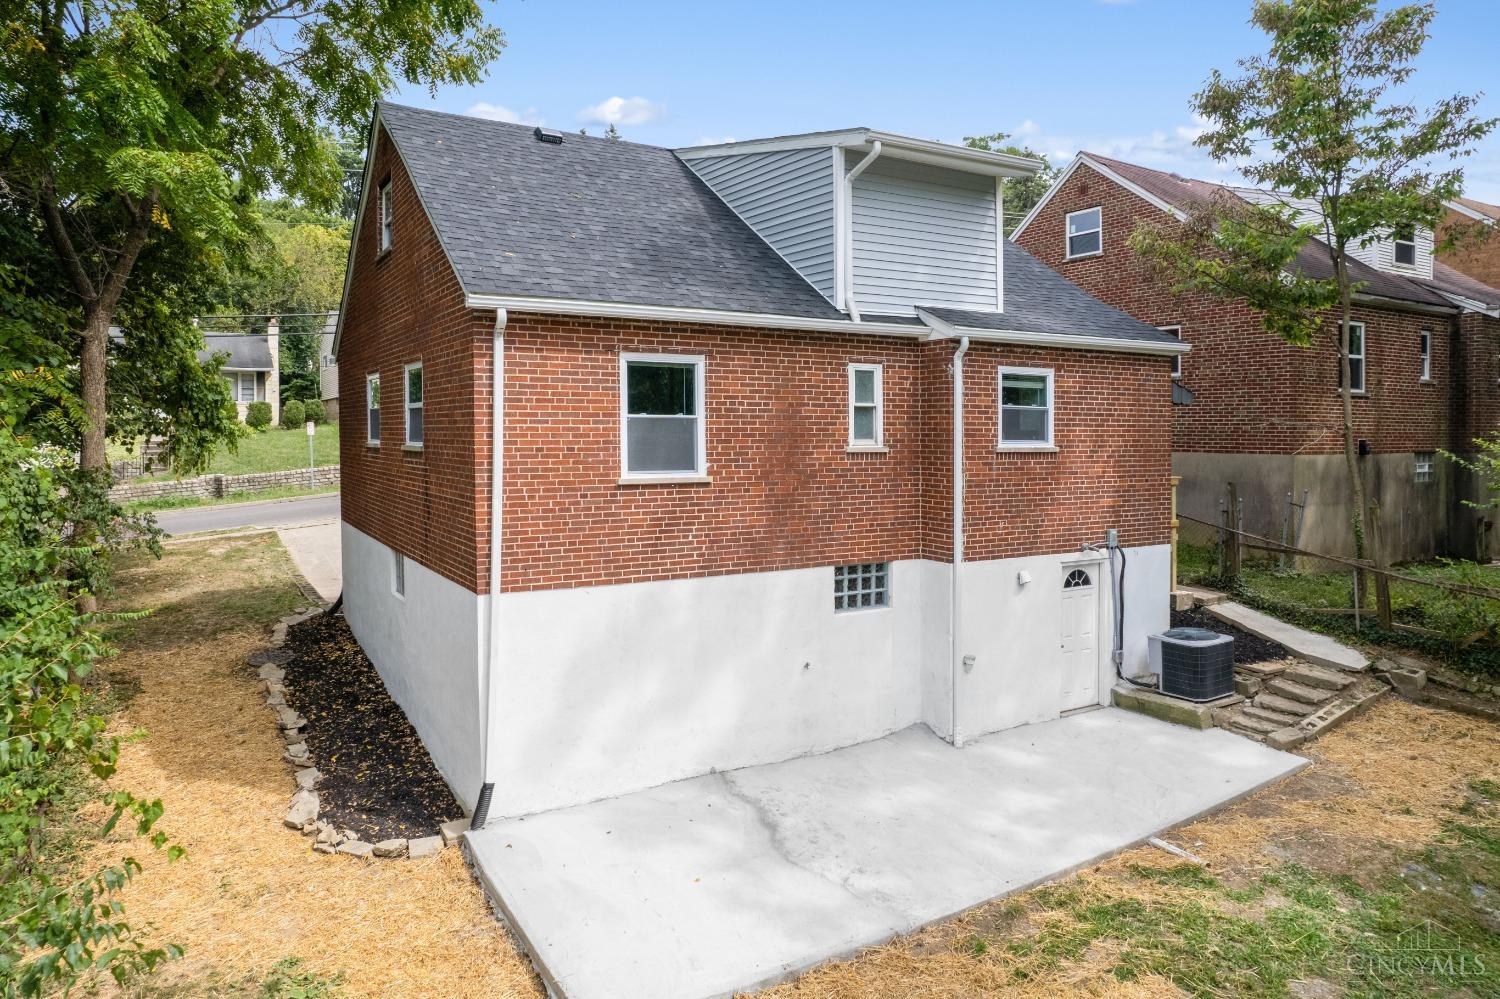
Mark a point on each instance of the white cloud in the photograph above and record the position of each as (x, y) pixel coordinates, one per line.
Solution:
(714, 140)
(499, 112)
(622, 111)
(1168, 149)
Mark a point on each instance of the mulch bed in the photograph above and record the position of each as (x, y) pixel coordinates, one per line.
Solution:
(1248, 648)
(377, 777)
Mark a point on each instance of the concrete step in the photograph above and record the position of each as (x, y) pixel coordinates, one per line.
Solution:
(1284, 705)
(1280, 718)
(1263, 671)
(1298, 691)
(1244, 719)
(1317, 676)
(1329, 716)
(1230, 726)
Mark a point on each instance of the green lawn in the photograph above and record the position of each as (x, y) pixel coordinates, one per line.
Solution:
(272, 450)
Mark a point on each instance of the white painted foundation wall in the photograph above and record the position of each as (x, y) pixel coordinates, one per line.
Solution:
(427, 648)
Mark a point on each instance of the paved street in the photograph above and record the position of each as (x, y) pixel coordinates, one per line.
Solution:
(265, 513)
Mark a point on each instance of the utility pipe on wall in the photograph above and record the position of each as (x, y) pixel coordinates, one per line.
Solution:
(497, 460)
(955, 664)
(849, 179)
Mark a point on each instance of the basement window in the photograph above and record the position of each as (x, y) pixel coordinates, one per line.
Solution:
(398, 574)
(661, 416)
(1025, 407)
(1424, 469)
(1406, 247)
(1085, 233)
(863, 586)
(866, 406)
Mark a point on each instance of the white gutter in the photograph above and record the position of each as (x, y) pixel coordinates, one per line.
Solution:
(492, 641)
(955, 666)
(849, 304)
(1066, 341)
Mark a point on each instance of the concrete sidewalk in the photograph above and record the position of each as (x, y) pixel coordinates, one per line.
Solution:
(737, 880)
(315, 552)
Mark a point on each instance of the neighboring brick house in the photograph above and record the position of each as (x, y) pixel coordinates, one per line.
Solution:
(1475, 257)
(723, 481)
(1267, 415)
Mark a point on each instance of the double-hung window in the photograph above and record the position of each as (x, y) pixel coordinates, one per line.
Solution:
(1176, 358)
(242, 386)
(1424, 356)
(372, 408)
(866, 406)
(661, 416)
(413, 404)
(1356, 358)
(1405, 251)
(1085, 233)
(386, 230)
(1025, 408)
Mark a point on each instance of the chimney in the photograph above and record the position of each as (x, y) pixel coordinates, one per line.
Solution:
(273, 378)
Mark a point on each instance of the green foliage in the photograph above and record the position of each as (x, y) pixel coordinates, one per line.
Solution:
(288, 981)
(1484, 463)
(313, 408)
(258, 415)
(293, 415)
(1020, 194)
(59, 926)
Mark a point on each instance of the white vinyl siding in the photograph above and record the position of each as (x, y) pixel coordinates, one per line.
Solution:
(787, 197)
(923, 236)
(1381, 254)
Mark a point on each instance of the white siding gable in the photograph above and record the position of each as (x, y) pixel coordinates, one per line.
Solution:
(1381, 254)
(787, 197)
(923, 235)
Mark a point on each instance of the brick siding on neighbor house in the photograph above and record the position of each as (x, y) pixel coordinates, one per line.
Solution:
(1478, 259)
(219, 486)
(1254, 393)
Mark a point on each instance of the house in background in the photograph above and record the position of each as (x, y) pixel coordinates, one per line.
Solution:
(666, 462)
(1267, 415)
(1477, 259)
(252, 367)
(328, 368)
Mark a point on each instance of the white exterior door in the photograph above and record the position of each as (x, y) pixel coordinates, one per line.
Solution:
(1080, 639)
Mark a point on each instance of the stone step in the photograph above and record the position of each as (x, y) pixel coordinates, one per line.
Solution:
(1317, 676)
(1230, 726)
(1284, 705)
(1244, 719)
(1262, 670)
(1298, 691)
(1281, 718)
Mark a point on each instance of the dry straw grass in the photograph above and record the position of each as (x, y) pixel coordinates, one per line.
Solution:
(251, 893)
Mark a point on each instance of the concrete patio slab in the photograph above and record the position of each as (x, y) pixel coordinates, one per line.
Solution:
(1304, 644)
(737, 880)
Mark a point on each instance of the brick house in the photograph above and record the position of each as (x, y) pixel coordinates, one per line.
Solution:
(714, 525)
(1477, 259)
(1266, 415)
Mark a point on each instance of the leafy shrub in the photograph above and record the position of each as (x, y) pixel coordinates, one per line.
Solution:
(258, 415)
(315, 411)
(293, 415)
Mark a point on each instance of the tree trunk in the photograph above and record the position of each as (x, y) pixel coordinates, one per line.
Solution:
(92, 373)
(1346, 395)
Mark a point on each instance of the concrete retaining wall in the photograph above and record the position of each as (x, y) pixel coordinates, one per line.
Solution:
(219, 486)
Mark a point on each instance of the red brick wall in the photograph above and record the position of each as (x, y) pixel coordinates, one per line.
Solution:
(404, 307)
(785, 493)
(1479, 260)
(1253, 393)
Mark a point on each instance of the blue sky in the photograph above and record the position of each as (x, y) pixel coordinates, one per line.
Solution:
(1112, 77)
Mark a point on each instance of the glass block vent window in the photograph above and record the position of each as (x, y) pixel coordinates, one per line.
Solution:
(856, 587)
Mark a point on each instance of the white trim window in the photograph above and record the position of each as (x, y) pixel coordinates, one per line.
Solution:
(866, 406)
(372, 408)
(1085, 233)
(1356, 359)
(241, 385)
(1025, 407)
(398, 573)
(412, 404)
(1424, 354)
(387, 230)
(1176, 358)
(1404, 247)
(1424, 469)
(662, 433)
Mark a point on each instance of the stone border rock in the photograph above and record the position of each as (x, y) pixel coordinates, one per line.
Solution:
(302, 810)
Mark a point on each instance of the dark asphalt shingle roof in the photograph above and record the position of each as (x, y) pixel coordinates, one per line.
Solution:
(248, 351)
(1040, 300)
(1454, 282)
(590, 219)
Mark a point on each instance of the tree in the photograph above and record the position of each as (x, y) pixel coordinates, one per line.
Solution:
(1020, 193)
(132, 123)
(1314, 121)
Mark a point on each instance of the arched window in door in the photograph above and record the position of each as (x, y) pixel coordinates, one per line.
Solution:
(1077, 578)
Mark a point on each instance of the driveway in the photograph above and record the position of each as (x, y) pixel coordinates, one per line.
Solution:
(308, 527)
(740, 879)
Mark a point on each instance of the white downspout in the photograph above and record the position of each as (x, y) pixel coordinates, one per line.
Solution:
(849, 178)
(955, 620)
(492, 641)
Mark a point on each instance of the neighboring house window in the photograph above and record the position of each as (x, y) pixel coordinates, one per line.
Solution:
(1025, 407)
(661, 415)
(1356, 357)
(856, 587)
(866, 406)
(242, 386)
(385, 216)
(398, 574)
(1426, 460)
(1425, 341)
(1406, 248)
(413, 404)
(1085, 233)
(372, 408)
(1176, 358)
